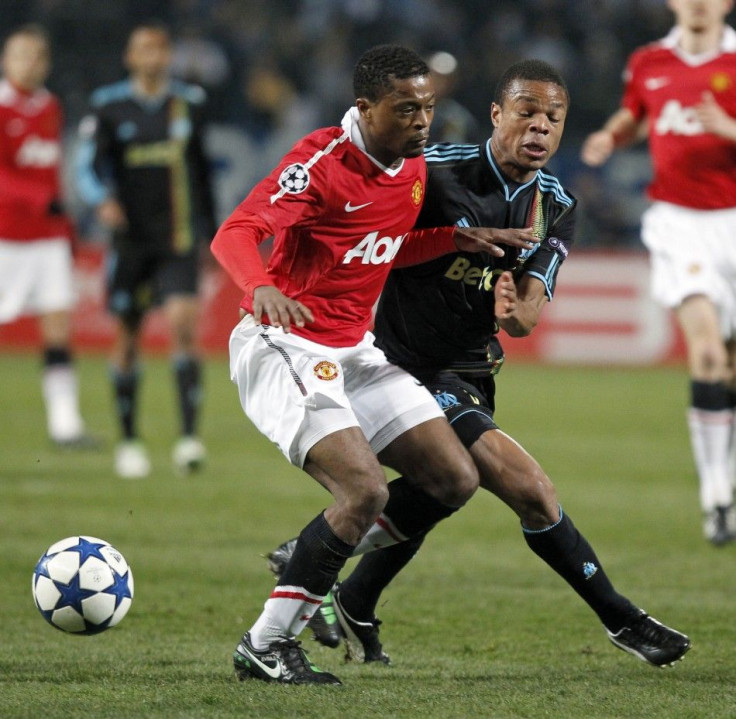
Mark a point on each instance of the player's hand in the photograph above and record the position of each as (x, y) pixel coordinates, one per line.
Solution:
(504, 293)
(714, 118)
(487, 239)
(281, 310)
(597, 148)
(111, 215)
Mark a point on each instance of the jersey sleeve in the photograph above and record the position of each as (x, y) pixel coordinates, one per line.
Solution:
(202, 169)
(425, 244)
(632, 97)
(91, 166)
(291, 196)
(545, 262)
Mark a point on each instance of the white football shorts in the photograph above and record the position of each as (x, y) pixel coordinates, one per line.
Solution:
(296, 391)
(35, 278)
(693, 252)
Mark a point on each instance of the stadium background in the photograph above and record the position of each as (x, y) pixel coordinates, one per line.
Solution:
(274, 70)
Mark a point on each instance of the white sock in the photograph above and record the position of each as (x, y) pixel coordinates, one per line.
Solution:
(710, 435)
(382, 533)
(60, 393)
(285, 614)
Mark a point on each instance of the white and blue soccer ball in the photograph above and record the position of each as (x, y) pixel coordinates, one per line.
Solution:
(82, 585)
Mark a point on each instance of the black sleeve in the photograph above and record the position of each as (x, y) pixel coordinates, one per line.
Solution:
(553, 250)
(202, 172)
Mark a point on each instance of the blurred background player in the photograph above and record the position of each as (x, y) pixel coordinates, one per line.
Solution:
(453, 122)
(142, 165)
(35, 233)
(682, 89)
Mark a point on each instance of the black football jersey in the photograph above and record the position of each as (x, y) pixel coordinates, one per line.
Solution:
(440, 314)
(151, 152)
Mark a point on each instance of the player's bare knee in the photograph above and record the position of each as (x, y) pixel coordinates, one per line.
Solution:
(538, 506)
(456, 485)
(366, 501)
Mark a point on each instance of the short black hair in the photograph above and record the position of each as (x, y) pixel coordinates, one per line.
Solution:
(378, 68)
(535, 70)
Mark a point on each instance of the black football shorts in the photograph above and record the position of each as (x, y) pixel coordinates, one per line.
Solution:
(137, 281)
(468, 402)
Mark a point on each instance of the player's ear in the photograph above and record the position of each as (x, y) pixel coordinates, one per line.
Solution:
(495, 114)
(365, 107)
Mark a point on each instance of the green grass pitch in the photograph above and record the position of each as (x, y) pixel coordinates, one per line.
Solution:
(477, 626)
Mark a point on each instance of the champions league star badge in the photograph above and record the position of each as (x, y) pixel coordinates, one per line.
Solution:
(294, 179)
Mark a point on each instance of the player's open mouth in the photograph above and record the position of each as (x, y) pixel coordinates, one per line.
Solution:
(534, 150)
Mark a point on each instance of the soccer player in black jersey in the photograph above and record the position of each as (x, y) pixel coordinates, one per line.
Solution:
(142, 165)
(439, 320)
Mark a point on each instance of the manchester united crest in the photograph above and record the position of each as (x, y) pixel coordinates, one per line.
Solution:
(325, 370)
(417, 193)
(720, 82)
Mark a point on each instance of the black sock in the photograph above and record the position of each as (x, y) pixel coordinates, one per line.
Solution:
(710, 396)
(189, 388)
(360, 592)
(56, 356)
(570, 555)
(318, 557)
(125, 388)
(411, 510)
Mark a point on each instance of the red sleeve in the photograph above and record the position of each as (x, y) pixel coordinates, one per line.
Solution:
(425, 244)
(272, 207)
(236, 248)
(632, 98)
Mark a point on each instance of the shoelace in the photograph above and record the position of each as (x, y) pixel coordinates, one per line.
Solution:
(650, 631)
(294, 657)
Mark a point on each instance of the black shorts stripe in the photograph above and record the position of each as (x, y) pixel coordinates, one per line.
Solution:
(285, 356)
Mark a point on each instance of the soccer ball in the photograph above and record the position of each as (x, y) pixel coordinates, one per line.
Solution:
(82, 585)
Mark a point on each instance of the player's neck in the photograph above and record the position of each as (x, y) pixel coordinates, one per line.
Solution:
(149, 86)
(697, 43)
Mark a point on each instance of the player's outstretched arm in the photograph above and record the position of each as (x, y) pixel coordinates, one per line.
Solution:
(488, 239)
(621, 129)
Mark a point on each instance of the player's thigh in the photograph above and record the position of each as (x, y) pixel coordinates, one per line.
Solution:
(344, 464)
(35, 278)
(507, 470)
(128, 275)
(291, 389)
(431, 456)
(387, 400)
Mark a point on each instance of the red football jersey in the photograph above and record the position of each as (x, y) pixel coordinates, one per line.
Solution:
(338, 219)
(30, 159)
(692, 168)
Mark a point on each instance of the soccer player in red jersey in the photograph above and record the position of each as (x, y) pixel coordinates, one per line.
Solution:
(340, 207)
(682, 89)
(35, 233)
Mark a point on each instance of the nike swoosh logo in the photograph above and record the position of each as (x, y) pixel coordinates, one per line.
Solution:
(654, 83)
(273, 672)
(353, 208)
